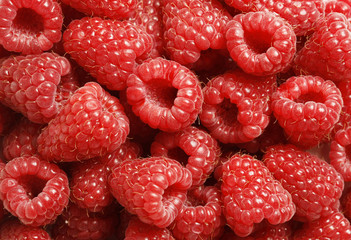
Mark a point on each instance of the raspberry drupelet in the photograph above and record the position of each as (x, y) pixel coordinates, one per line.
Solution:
(271, 54)
(34, 191)
(307, 108)
(193, 147)
(153, 188)
(92, 123)
(251, 194)
(108, 49)
(164, 94)
(315, 186)
(236, 106)
(36, 85)
(30, 26)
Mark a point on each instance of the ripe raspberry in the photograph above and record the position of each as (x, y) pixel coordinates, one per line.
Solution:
(89, 187)
(121, 9)
(30, 27)
(14, 230)
(138, 230)
(193, 26)
(236, 106)
(307, 108)
(339, 154)
(341, 6)
(271, 54)
(35, 191)
(315, 186)
(22, 140)
(250, 194)
(33, 85)
(164, 94)
(149, 16)
(79, 224)
(302, 15)
(334, 226)
(195, 148)
(91, 124)
(201, 216)
(153, 188)
(327, 52)
(109, 50)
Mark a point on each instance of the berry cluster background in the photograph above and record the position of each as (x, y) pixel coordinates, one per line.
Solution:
(175, 119)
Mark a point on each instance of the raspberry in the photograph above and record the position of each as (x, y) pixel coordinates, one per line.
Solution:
(327, 52)
(33, 85)
(149, 15)
(79, 224)
(30, 26)
(91, 124)
(121, 9)
(164, 94)
(272, 54)
(35, 191)
(108, 49)
(250, 194)
(236, 106)
(339, 154)
(201, 216)
(194, 147)
(152, 188)
(193, 26)
(334, 226)
(341, 6)
(89, 188)
(22, 140)
(138, 230)
(307, 108)
(14, 230)
(302, 15)
(315, 186)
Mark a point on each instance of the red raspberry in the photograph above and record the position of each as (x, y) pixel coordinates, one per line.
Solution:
(35, 191)
(274, 50)
(302, 15)
(89, 187)
(307, 108)
(14, 230)
(164, 94)
(149, 15)
(327, 53)
(36, 85)
(339, 154)
(195, 148)
(201, 216)
(250, 194)
(315, 186)
(109, 50)
(193, 26)
(334, 226)
(138, 230)
(30, 27)
(91, 124)
(341, 6)
(121, 9)
(22, 140)
(236, 106)
(153, 188)
(79, 224)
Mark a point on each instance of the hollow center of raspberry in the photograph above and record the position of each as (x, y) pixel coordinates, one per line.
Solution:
(258, 42)
(193, 201)
(28, 20)
(311, 96)
(179, 155)
(161, 93)
(228, 112)
(32, 185)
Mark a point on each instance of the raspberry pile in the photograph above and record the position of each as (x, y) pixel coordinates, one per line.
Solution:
(175, 119)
